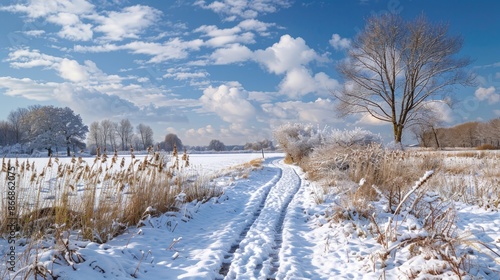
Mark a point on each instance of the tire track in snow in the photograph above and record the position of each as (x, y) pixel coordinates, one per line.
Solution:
(278, 238)
(257, 254)
(230, 254)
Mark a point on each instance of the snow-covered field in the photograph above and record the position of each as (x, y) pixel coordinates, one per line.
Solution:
(267, 225)
(207, 162)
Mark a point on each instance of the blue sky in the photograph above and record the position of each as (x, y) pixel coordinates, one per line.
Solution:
(227, 69)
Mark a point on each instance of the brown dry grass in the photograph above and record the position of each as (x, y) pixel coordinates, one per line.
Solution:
(470, 176)
(100, 198)
(392, 172)
(486, 147)
(242, 170)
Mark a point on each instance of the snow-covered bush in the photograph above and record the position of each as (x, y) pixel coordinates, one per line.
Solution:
(343, 150)
(298, 140)
(355, 137)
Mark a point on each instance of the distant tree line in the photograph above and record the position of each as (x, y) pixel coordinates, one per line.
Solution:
(259, 145)
(469, 134)
(119, 136)
(218, 146)
(55, 129)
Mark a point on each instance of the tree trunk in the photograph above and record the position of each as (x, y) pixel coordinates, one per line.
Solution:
(436, 138)
(398, 132)
(68, 143)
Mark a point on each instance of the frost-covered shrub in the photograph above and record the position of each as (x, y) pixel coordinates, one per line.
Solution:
(298, 140)
(355, 137)
(341, 150)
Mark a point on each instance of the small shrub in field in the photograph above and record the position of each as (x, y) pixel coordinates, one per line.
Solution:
(348, 138)
(298, 140)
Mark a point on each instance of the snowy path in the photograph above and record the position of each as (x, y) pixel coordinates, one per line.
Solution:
(251, 232)
(257, 254)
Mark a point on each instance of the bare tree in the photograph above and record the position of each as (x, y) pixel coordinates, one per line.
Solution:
(95, 134)
(464, 135)
(18, 119)
(7, 133)
(145, 134)
(125, 132)
(489, 132)
(425, 126)
(395, 68)
(483, 133)
(108, 133)
(136, 142)
(495, 131)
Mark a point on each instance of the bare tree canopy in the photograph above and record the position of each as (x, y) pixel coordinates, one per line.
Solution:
(17, 119)
(108, 131)
(396, 69)
(145, 135)
(125, 131)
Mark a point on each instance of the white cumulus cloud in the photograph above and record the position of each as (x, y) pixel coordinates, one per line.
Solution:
(172, 49)
(65, 13)
(71, 70)
(367, 119)
(72, 27)
(299, 82)
(339, 43)
(255, 25)
(287, 54)
(228, 102)
(488, 94)
(43, 8)
(28, 88)
(319, 111)
(232, 54)
(127, 23)
(220, 37)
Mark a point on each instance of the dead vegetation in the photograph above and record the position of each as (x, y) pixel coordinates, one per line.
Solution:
(379, 189)
(102, 198)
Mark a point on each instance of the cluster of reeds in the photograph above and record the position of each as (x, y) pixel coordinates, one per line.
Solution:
(101, 197)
